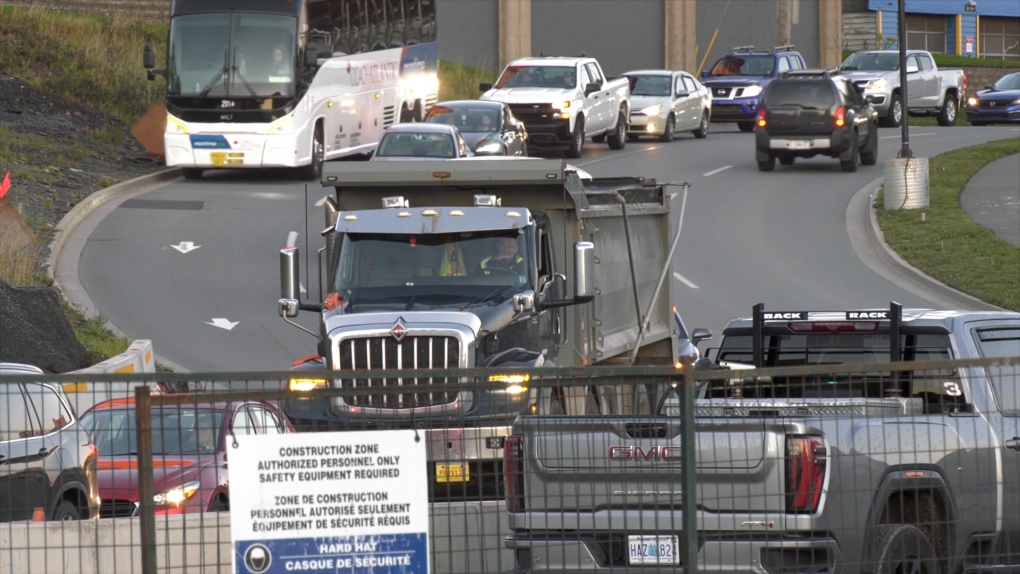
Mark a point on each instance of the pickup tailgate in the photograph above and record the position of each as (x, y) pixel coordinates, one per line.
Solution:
(591, 464)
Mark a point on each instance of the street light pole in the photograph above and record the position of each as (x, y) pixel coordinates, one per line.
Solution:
(904, 123)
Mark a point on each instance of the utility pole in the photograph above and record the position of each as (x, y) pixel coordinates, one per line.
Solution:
(902, 42)
(785, 22)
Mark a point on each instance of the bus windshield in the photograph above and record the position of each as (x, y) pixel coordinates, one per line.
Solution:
(432, 269)
(232, 55)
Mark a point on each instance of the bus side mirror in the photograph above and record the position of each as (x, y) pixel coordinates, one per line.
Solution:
(148, 58)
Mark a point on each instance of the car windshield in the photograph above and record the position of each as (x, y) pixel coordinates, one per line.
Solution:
(872, 61)
(175, 431)
(562, 77)
(396, 144)
(416, 271)
(650, 85)
(228, 55)
(743, 65)
(800, 94)
(467, 120)
(1008, 82)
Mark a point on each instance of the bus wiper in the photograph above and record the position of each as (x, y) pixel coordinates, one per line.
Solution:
(219, 75)
(233, 68)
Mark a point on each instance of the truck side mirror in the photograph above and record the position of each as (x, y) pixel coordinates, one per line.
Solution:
(311, 56)
(484, 87)
(911, 69)
(288, 304)
(584, 271)
(700, 334)
(591, 88)
(148, 58)
(332, 213)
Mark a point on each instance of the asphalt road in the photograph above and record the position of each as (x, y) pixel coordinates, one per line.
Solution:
(778, 238)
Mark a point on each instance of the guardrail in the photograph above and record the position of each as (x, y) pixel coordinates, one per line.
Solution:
(589, 492)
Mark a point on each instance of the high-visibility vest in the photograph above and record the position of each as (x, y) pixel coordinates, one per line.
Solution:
(453, 262)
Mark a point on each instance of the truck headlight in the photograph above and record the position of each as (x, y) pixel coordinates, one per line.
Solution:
(176, 496)
(876, 85)
(972, 102)
(488, 147)
(652, 110)
(516, 384)
(305, 384)
(751, 91)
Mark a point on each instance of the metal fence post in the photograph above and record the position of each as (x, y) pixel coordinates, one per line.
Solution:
(146, 509)
(688, 470)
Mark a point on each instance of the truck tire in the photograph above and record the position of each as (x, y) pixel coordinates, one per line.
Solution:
(192, 172)
(618, 139)
(900, 548)
(869, 155)
(767, 165)
(850, 165)
(894, 117)
(947, 115)
(577, 142)
(746, 126)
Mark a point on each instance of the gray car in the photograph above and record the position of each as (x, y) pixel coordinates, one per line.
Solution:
(489, 128)
(47, 460)
(415, 141)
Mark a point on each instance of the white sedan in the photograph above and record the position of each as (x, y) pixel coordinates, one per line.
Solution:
(664, 102)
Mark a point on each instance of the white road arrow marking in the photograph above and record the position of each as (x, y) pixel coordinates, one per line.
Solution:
(185, 246)
(223, 323)
(321, 202)
(685, 280)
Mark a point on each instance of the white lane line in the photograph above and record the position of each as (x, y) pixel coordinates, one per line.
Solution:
(614, 155)
(715, 171)
(685, 280)
(898, 136)
(321, 202)
(292, 239)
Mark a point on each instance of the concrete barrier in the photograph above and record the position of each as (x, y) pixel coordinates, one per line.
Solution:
(138, 358)
(464, 538)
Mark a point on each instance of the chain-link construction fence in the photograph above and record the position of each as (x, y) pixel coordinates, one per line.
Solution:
(892, 467)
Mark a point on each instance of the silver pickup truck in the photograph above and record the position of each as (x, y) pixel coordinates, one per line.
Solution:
(563, 101)
(845, 473)
(931, 91)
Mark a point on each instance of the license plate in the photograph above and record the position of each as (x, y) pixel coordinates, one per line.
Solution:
(796, 144)
(218, 157)
(652, 550)
(452, 473)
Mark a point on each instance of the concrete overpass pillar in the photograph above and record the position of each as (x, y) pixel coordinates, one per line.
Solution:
(830, 33)
(681, 35)
(514, 30)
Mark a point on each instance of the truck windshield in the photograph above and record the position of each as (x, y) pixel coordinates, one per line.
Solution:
(432, 269)
(232, 55)
(743, 65)
(562, 77)
(872, 61)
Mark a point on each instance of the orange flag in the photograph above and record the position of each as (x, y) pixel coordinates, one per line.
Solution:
(5, 185)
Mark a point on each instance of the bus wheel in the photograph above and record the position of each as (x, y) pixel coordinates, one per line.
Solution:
(313, 171)
(192, 172)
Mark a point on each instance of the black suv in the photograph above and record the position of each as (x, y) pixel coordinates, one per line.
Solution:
(805, 113)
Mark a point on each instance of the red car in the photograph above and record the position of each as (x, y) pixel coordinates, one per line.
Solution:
(189, 452)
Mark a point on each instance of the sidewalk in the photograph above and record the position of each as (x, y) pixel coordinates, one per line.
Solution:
(992, 198)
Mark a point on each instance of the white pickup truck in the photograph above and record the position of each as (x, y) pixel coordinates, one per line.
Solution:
(563, 101)
(931, 91)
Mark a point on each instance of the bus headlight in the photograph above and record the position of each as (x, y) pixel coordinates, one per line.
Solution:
(175, 126)
(304, 384)
(282, 125)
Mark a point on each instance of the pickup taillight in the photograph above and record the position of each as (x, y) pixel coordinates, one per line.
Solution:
(760, 120)
(805, 473)
(513, 473)
(840, 117)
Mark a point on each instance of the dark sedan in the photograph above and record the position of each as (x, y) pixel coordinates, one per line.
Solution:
(489, 128)
(997, 104)
(189, 444)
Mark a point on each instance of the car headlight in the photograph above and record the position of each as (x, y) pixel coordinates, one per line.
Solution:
(972, 102)
(1014, 102)
(488, 147)
(176, 496)
(652, 110)
(875, 85)
(751, 91)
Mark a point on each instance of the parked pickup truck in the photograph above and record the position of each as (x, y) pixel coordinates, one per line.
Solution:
(562, 101)
(737, 80)
(868, 472)
(931, 91)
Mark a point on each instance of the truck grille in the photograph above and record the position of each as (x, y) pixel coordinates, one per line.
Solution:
(533, 112)
(368, 353)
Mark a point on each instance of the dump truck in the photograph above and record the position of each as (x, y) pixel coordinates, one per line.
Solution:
(412, 279)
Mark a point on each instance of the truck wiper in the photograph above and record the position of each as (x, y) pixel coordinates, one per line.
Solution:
(485, 298)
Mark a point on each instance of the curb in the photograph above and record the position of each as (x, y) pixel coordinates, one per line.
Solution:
(70, 222)
(887, 256)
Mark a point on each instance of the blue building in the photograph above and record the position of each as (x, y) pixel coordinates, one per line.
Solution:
(975, 28)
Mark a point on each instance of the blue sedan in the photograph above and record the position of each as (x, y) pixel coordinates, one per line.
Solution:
(998, 104)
